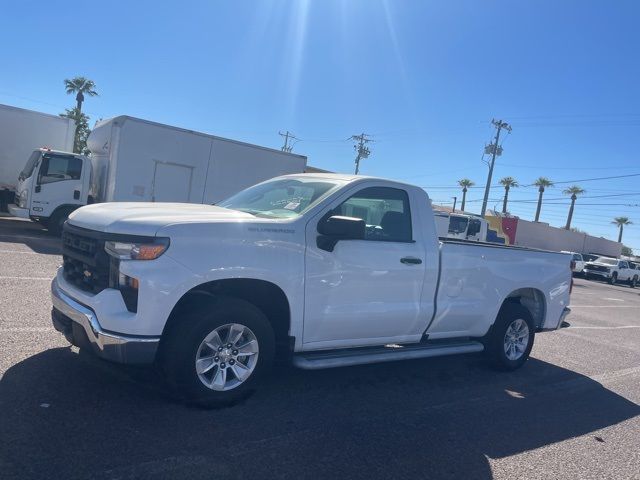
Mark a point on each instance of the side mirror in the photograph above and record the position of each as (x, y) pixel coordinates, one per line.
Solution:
(336, 228)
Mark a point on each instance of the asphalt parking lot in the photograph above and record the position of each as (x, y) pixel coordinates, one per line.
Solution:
(572, 411)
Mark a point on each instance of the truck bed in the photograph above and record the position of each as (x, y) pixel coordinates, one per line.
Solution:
(475, 278)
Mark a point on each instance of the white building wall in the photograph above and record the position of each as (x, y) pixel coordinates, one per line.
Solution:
(542, 235)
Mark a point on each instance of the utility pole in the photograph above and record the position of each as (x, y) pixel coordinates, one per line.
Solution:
(361, 148)
(495, 150)
(287, 135)
(455, 200)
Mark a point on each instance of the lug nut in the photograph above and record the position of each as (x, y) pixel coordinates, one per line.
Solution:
(219, 349)
(216, 359)
(231, 362)
(228, 345)
(235, 352)
(223, 365)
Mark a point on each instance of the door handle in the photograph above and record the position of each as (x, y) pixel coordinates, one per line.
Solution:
(38, 188)
(76, 194)
(411, 261)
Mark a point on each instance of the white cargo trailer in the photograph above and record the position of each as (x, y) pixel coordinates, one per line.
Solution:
(21, 131)
(138, 160)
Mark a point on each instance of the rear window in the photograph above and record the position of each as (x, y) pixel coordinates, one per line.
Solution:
(458, 224)
(577, 257)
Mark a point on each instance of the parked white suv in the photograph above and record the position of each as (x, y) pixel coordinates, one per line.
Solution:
(612, 270)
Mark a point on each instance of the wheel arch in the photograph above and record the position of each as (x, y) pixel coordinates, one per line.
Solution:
(67, 207)
(264, 295)
(533, 300)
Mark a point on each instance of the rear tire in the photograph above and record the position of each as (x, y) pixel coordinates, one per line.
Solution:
(633, 282)
(511, 338)
(194, 341)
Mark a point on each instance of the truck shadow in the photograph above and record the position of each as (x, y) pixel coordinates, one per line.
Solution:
(438, 418)
(30, 234)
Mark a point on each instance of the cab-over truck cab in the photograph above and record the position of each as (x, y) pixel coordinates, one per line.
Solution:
(51, 186)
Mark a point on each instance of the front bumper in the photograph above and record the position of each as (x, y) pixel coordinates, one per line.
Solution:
(599, 273)
(16, 211)
(80, 326)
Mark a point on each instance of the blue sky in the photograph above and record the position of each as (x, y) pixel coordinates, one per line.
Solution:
(423, 77)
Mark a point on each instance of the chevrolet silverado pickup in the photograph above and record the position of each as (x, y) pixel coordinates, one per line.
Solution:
(612, 270)
(325, 270)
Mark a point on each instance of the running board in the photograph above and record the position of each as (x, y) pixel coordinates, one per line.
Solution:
(388, 353)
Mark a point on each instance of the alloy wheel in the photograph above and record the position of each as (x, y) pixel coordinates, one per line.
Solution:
(227, 357)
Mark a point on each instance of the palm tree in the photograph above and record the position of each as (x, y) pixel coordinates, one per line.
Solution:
(574, 191)
(465, 183)
(79, 86)
(621, 222)
(507, 183)
(541, 183)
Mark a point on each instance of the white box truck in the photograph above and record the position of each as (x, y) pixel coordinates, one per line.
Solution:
(138, 160)
(20, 132)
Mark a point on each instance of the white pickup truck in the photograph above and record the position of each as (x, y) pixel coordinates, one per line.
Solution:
(612, 270)
(328, 270)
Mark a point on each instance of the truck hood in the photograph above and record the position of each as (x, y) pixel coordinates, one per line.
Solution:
(600, 264)
(146, 218)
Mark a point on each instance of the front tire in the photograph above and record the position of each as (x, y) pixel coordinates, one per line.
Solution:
(613, 279)
(55, 223)
(215, 356)
(511, 338)
(633, 282)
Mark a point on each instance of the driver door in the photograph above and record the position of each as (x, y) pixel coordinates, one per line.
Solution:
(365, 292)
(58, 182)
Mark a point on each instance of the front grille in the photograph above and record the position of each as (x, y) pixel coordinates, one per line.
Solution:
(86, 264)
(597, 268)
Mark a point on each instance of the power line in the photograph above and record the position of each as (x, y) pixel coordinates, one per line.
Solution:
(617, 167)
(591, 179)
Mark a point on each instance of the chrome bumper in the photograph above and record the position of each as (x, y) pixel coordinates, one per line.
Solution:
(81, 327)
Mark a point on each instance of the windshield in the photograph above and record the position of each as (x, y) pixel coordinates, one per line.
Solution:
(458, 224)
(282, 198)
(31, 164)
(608, 261)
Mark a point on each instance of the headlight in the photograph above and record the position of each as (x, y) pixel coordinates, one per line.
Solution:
(22, 199)
(137, 251)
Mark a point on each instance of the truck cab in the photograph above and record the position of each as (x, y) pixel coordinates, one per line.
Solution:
(51, 186)
(461, 226)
